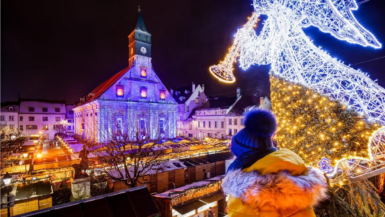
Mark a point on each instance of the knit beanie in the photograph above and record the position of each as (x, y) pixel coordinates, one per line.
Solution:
(260, 126)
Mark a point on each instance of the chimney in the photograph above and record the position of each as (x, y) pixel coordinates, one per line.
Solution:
(172, 92)
(260, 101)
(238, 92)
(203, 87)
(193, 87)
(82, 99)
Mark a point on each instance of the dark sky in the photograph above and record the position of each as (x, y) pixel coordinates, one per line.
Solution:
(62, 49)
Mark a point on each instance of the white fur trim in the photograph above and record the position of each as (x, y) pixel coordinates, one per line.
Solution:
(282, 192)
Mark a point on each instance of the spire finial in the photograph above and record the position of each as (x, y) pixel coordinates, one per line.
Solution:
(139, 7)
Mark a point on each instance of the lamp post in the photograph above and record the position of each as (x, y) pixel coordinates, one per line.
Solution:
(7, 180)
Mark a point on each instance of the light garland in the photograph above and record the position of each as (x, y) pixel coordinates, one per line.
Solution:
(296, 60)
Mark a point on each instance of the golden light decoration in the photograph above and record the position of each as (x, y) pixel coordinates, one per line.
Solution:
(316, 127)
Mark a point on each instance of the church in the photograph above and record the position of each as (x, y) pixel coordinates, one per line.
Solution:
(132, 101)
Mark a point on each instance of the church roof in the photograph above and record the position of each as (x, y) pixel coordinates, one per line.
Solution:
(140, 22)
(103, 87)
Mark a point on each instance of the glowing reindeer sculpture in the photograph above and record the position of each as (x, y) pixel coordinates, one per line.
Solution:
(297, 61)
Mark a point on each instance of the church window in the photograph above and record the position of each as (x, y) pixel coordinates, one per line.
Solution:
(143, 72)
(143, 92)
(161, 126)
(162, 94)
(119, 91)
(142, 126)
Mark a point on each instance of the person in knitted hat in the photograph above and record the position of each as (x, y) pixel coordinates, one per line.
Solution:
(264, 181)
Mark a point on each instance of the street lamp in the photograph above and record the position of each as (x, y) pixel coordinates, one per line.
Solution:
(7, 180)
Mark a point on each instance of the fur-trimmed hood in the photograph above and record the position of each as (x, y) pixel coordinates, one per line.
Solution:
(281, 192)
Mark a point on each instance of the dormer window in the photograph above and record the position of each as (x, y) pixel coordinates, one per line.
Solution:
(57, 109)
(31, 109)
(162, 95)
(143, 72)
(177, 93)
(143, 92)
(10, 109)
(44, 109)
(119, 91)
(186, 91)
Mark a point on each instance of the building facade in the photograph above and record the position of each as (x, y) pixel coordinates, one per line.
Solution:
(70, 122)
(9, 118)
(132, 101)
(189, 99)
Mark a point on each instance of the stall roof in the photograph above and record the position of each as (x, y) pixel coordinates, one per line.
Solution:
(189, 207)
(133, 202)
(214, 197)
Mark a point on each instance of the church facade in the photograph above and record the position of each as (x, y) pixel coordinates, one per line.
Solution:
(132, 101)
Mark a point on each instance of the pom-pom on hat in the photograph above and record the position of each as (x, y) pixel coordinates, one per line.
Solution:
(260, 125)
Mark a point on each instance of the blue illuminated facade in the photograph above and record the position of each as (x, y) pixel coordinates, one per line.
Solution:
(133, 100)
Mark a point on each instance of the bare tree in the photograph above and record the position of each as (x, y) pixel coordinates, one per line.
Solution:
(128, 160)
(11, 141)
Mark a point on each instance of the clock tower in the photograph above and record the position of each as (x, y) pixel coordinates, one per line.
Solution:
(139, 41)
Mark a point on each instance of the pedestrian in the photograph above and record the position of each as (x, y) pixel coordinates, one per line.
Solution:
(210, 213)
(266, 182)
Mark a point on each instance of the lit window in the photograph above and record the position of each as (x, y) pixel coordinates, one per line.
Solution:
(143, 72)
(143, 92)
(162, 94)
(119, 91)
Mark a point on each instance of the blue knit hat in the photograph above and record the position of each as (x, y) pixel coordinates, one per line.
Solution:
(260, 126)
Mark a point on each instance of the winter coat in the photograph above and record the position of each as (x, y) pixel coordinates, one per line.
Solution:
(278, 185)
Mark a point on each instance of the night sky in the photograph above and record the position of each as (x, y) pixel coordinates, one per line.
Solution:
(62, 49)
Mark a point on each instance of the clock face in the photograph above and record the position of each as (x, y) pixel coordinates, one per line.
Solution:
(143, 50)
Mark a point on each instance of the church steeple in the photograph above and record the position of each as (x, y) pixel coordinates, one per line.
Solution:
(139, 21)
(139, 41)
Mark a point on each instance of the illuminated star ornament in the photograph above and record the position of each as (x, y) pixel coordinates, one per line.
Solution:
(329, 113)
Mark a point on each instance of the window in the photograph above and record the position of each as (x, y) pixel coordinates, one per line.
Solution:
(119, 91)
(199, 124)
(21, 118)
(31, 109)
(71, 112)
(119, 126)
(31, 127)
(143, 92)
(215, 124)
(45, 118)
(196, 101)
(161, 126)
(209, 124)
(69, 128)
(10, 109)
(31, 118)
(235, 122)
(230, 121)
(57, 126)
(57, 118)
(11, 126)
(190, 135)
(143, 72)
(45, 127)
(69, 121)
(57, 109)
(44, 109)
(2, 118)
(10, 118)
(21, 127)
(222, 124)
(162, 95)
(230, 134)
(187, 108)
(142, 126)
(190, 127)
(235, 131)
(204, 123)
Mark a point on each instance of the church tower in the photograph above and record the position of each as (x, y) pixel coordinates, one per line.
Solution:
(139, 41)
